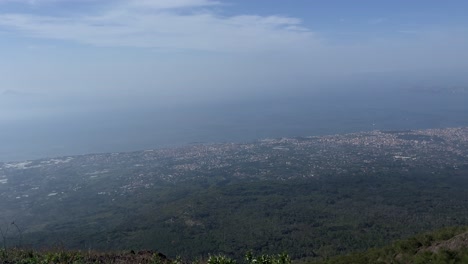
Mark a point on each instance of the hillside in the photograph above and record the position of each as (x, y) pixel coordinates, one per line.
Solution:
(14, 256)
(449, 245)
(314, 197)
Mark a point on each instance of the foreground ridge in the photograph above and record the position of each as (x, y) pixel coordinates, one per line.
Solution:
(14, 256)
(449, 245)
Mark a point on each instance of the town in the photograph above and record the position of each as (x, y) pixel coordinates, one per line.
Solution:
(350, 185)
(276, 159)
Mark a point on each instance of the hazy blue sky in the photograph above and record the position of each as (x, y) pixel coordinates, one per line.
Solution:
(61, 56)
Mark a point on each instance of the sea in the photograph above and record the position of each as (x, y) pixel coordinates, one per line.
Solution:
(244, 120)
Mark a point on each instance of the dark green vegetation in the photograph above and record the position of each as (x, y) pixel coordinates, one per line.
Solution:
(449, 245)
(311, 197)
(18, 256)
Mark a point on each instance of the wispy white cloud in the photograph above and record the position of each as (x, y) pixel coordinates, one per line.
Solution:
(411, 32)
(376, 21)
(159, 4)
(172, 4)
(159, 24)
(247, 53)
(40, 2)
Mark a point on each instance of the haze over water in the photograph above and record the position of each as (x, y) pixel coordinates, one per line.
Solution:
(80, 76)
(147, 127)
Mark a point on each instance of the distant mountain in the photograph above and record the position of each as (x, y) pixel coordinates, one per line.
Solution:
(442, 89)
(10, 92)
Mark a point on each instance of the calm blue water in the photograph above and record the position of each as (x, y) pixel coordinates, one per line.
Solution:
(304, 114)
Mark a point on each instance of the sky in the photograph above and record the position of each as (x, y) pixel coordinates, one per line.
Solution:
(64, 58)
(67, 54)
